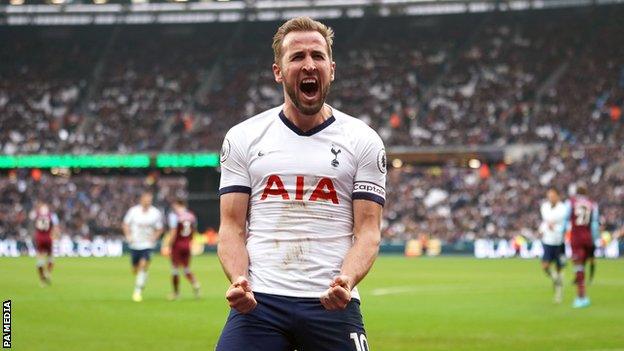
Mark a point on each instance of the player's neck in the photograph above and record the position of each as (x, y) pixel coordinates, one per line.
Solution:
(306, 122)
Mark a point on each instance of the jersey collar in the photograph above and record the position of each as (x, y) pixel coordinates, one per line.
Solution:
(310, 132)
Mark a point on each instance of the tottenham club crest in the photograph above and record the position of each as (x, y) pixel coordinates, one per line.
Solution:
(381, 161)
(335, 151)
(225, 150)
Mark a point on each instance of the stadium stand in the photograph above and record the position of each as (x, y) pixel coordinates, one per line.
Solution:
(553, 77)
(458, 203)
(87, 205)
(469, 80)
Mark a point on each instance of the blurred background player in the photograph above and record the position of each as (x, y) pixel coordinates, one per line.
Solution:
(591, 259)
(182, 224)
(553, 213)
(142, 226)
(46, 230)
(582, 216)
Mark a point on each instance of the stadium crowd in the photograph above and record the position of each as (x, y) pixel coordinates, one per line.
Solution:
(469, 80)
(433, 81)
(500, 201)
(87, 205)
(448, 202)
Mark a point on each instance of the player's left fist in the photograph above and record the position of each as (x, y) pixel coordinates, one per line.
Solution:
(338, 296)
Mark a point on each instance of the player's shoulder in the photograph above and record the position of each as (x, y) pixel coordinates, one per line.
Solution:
(254, 124)
(356, 128)
(344, 119)
(131, 213)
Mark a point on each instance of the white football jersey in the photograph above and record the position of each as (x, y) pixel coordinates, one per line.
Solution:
(142, 225)
(553, 218)
(301, 187)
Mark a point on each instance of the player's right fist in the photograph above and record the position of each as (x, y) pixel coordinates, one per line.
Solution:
(240, 297)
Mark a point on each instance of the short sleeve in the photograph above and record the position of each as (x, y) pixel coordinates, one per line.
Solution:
(234, 169)
(159, 219)
(128, 217)
(55, 219)
(561, 214)
(370, 176)
(172, 220)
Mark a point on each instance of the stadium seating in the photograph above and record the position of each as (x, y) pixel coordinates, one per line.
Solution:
(87, 205)
(456, 203)
(554, 77)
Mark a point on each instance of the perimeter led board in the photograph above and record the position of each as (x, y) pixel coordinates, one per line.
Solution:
(76, 161)
(187, 160)
(169, 160)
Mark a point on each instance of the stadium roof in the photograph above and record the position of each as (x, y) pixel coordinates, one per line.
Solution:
(181, 11)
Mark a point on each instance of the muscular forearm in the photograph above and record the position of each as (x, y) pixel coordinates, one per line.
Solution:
(233, 252)
(360, 257)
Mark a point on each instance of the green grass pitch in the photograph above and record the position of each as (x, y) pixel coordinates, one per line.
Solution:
(445, 303)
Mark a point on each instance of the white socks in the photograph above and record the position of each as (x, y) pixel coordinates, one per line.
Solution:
(139, 283)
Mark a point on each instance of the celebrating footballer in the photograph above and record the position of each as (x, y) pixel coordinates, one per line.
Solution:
(302, 190)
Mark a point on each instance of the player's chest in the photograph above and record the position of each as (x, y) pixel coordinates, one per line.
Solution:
(308, 157)
(144, 220)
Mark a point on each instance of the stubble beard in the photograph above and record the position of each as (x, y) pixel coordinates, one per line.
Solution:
(308, 110)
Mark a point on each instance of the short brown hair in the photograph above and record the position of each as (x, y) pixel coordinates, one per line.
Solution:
(180, 201)
(581, 189)
(553, 189)
(301, 24)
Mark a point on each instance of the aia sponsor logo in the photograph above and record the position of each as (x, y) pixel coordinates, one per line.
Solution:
(323, 191)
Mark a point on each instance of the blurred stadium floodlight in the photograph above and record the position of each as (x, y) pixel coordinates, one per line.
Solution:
(16, 2)
(143, 12)
(474, 163)
(397, 163)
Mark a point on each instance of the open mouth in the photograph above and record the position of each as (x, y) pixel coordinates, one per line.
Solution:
(309, 86)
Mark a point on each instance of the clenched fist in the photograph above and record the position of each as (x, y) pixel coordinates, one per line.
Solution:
(338, 295)
(240, 297)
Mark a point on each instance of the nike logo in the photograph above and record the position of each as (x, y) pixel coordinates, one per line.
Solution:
(260, 154)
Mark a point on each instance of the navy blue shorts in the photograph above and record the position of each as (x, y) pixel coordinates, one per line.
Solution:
(137, 255)
(554, 253)
(280, 323)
